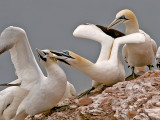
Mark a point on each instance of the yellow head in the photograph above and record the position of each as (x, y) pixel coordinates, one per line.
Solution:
(123, 17)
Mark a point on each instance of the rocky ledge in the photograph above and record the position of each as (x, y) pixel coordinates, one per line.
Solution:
(137, 99)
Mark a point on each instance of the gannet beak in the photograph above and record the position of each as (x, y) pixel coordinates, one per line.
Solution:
(115, 23)
(40, 53)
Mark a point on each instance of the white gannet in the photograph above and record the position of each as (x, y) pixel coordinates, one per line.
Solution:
(47, 91)
(137, 55)
(158, 58)
(15, 40)
(102, 71)
(98, 33)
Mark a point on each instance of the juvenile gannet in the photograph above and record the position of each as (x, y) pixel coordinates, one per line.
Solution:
(102, 71)
(137, 55)
(158, 58)
(15, 40)
(47, 91)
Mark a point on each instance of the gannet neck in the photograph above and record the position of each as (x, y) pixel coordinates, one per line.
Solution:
(54, 71)
(132, 26)
(105, 51)
(114, 53)
(22, 56)
(131, 23)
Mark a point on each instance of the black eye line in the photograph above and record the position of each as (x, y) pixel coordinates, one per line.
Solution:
(44, 59)
(123, 17)
(44, 52)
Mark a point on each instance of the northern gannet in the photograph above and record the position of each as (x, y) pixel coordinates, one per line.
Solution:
(15, 40)
(137, 55)
(100, 34)
(46, 92)
(158, 58)
(102, 71)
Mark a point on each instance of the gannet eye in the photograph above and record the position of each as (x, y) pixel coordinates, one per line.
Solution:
(123, 17)
(45, 53)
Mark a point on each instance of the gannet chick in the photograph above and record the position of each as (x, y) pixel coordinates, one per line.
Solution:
(47, 91)
(137, 55)
(158, 58)
(15, 40)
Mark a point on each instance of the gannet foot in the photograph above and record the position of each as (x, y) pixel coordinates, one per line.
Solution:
(60, 108)
(131, 77)
(85, 93)
(8, 84)
(32, 118)
(150, 67)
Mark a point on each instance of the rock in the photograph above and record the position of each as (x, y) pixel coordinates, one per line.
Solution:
(85, 101)
(153, 113)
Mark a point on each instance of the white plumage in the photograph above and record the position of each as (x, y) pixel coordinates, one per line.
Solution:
(29, 74)
(137, 55)
(15, 40)
(47, 91)
(158, 58)
(108, 69)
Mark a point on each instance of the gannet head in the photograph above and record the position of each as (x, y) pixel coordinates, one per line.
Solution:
(123, 17)
(46, 57)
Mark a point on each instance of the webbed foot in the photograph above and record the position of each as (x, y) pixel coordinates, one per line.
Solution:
(60, 108)
(85, 93)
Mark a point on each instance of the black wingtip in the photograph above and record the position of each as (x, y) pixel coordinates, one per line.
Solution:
(111, 32)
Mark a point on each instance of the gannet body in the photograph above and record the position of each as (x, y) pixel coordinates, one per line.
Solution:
(158, 58)
(98, 33)
(15, 40)
(46, 92)
(108, 69)
(138, 55)
(69, 92)
(10, 99)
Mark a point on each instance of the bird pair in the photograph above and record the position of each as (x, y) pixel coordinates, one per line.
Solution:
(37, 93)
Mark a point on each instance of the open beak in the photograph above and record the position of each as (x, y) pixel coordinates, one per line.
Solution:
(40, 53)
(115, 23)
